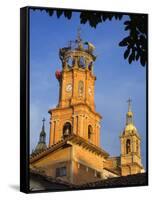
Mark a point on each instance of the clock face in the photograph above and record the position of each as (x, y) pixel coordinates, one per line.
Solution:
(69, 87)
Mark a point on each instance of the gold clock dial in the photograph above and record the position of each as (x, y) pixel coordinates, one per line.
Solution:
(69, 87)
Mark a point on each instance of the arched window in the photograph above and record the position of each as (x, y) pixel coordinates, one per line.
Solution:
(70, 62)
(82, 62)
(90, 132)
(67, 129)
(80, 88)
(128, 146)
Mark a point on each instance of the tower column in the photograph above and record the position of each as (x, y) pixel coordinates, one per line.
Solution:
(56, 131)
(74, 83)
(74, 120)
(81, 125)
(62, 86)
(86, 89)
(98, 134)
(51, 132)
(85, 126)
(139, 147)
(134, 144)
(123, 150)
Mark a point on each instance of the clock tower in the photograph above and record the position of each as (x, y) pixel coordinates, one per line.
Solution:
(75, 112)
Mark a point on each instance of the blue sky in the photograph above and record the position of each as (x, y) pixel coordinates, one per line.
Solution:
(116, 79)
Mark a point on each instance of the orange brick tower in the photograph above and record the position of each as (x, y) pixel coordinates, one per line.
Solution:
(74, 154)
(75, 112)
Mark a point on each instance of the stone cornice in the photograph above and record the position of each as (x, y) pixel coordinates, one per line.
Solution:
(75, 139)
(72, 106)
(112, 171)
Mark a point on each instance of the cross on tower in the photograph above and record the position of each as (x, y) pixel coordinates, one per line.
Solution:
(129, 104)
(43, 120)
(79, 40)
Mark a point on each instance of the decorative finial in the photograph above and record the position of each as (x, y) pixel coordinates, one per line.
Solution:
(129, 104)
(79, 40)
(70, 44)
(78, 34)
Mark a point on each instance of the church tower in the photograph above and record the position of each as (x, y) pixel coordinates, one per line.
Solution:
(74, 154)
(130, 147)
(75, 112)
(41, 146)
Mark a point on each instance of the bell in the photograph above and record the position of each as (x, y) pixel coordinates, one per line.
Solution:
(67, 132)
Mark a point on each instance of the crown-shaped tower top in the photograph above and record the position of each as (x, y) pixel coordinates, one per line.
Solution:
(78, 54)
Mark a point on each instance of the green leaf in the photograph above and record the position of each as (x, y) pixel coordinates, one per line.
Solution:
(137, 56)
(142, 61)
(130, 58)
(126, 54)
(50, 12)
(59, 13)
(125, 42)
(126, 22)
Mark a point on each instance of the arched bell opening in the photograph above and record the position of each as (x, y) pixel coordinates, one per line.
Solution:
(128, 146)
(90, 133)
(67, 129)
(70, 62)
(82, 62)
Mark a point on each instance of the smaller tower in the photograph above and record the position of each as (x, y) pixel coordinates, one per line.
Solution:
(130, 146)
(42, 141)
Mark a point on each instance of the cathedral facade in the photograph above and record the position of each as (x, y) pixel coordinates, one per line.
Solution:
(74, 154)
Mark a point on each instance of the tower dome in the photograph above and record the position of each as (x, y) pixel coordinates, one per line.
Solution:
(130, 127)
(129, 114)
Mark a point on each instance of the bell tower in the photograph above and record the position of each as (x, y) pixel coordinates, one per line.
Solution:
(77, 79)
(75, 112)
(130, 146)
